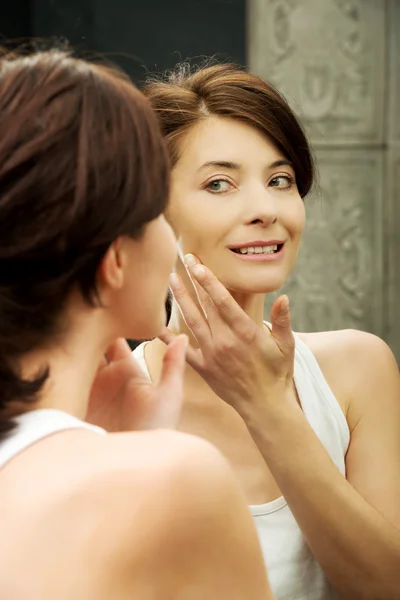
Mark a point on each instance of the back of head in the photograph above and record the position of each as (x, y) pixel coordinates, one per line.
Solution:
(76, 143)
(182, 98)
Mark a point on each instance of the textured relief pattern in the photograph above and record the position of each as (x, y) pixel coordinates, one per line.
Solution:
(327, 57)
(392, 205)
(394, 71)
(393, 239)
(337, 282)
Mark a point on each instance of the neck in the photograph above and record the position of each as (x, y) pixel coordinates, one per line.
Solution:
(251, 304)
(73, 363)
(204, 413)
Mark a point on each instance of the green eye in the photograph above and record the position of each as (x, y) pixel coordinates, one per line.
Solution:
(218, 186)
(284, 182)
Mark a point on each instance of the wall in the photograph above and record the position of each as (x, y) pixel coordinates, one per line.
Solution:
(337, 62)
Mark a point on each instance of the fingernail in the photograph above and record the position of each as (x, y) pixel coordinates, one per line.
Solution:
(198, 270)
(185, 341)
(285, 302)
(189, 260)
(174, 280)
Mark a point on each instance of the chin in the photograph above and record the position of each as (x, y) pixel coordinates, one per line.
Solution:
(149, 327)
(258, 286)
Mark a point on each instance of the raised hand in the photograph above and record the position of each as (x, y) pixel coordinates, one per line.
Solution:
(247, 365)
(124, 399)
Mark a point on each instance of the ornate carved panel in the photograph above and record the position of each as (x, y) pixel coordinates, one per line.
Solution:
(392, 237)
(337, 282)
(392, 204)
(327, 56)
(394, 71)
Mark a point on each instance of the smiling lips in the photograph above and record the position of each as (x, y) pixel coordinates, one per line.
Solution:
(259, 251)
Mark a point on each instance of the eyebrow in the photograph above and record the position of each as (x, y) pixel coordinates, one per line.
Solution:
(236, 166)
(221, 163)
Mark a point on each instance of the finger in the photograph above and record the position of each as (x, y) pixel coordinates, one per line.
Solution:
(192, 316)
(167, 336)
(174, 364)
(210, 310)
(281, 324)
(118, 350)
(103, 363)
(126, 369)
(228, 309)
(194, 357)
(170, 388)
(126, 372)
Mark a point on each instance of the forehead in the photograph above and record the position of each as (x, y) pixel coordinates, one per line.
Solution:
(218, 138)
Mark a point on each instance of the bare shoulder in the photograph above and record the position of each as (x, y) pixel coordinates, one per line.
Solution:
(176, 510)
(354, 363)
(128, 468)
(117, 471)
(144, 478)
(349, 348)
(139, 504)
(121, 487)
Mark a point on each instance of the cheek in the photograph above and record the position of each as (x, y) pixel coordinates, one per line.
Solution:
(190, 225)
(301, 222)
(296, 218)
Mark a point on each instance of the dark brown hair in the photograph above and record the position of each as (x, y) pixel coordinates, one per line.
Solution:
(82, 162)
(182, 98)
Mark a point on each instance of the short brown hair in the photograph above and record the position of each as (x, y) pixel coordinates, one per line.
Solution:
(82, 162)
(182, 98)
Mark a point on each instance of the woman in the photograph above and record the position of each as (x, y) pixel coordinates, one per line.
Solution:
(83, 184)
(309, 422)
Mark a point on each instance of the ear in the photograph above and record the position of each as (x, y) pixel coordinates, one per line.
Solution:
(111, 270)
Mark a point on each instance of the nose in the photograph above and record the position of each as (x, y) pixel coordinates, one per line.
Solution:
(261, 207)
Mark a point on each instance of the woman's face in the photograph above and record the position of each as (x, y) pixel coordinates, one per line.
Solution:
(236, 206)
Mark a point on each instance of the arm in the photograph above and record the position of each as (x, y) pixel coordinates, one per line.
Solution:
(353, 526)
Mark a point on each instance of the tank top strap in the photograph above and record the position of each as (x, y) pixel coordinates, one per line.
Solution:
(318, 402)
(309, 376)
(35, 425)
(138, 354)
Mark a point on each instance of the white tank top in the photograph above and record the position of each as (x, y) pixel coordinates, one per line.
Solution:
(293, 572)
(35, 425)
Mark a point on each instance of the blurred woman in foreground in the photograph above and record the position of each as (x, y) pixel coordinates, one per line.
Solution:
(83, 184)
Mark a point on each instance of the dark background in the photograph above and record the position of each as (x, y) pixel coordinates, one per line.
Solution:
(141, 36)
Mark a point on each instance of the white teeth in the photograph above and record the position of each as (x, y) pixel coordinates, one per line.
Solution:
(259, 249)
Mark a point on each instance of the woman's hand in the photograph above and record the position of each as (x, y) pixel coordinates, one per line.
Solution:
(248, 366)
(124, 399)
